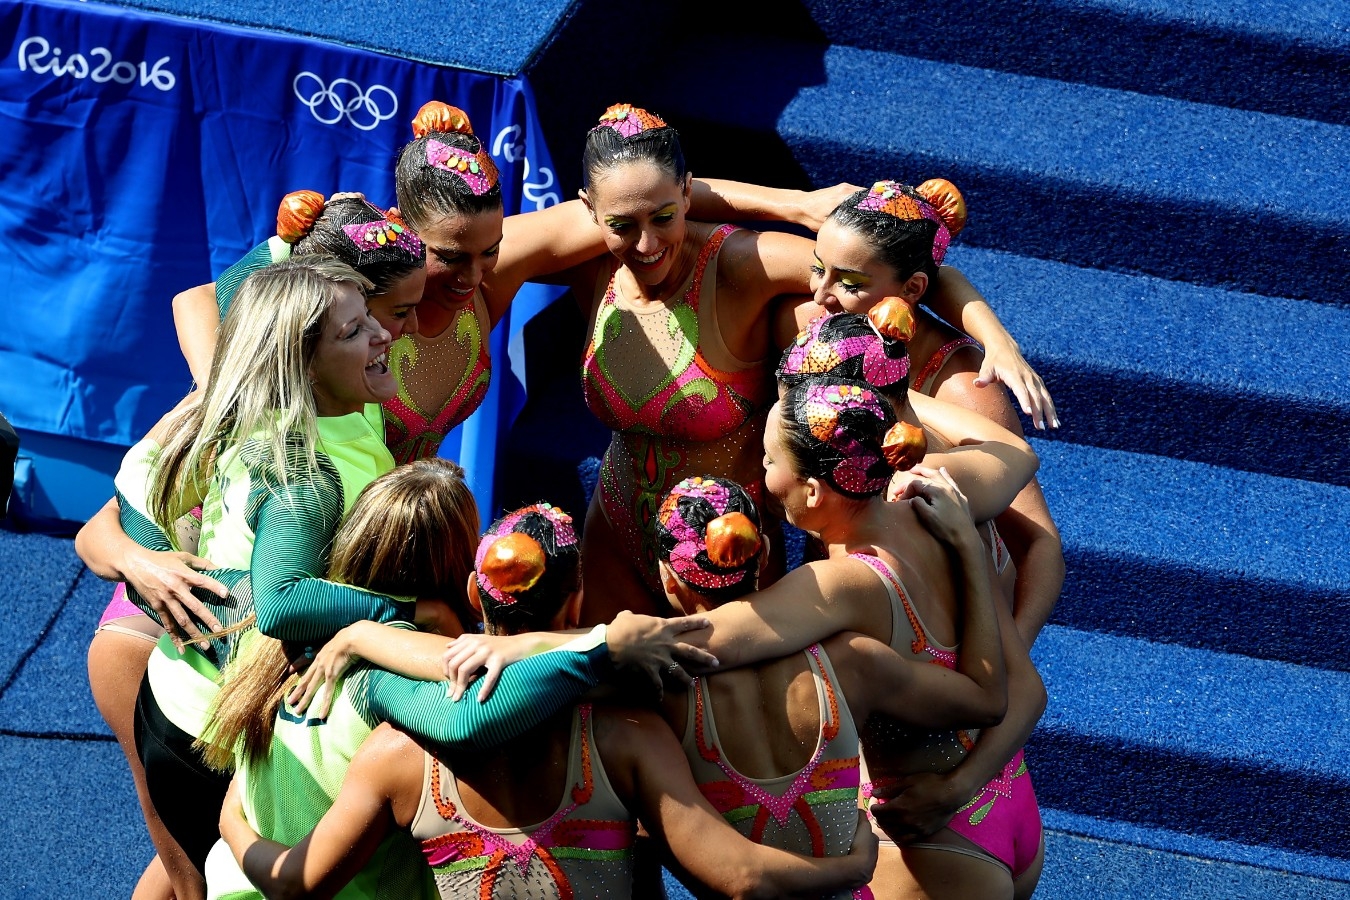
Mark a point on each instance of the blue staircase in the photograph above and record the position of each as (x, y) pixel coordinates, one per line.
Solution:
(1160, 210)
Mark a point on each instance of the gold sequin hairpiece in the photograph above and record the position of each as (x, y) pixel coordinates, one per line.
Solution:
(629, 120)
(857, 467)
(509, 562)
(475, 168)
(936, 200)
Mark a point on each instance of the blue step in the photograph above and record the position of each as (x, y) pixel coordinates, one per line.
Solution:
(1086, 175)
(1194, 554)
(1270, 57)
(1221, 746)
(1143, 364)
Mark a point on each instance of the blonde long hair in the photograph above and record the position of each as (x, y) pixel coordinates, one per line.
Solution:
(259, 380)
(411, 532)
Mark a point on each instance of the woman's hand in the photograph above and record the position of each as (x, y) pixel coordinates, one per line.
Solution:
(940, 506)
(1004, 363)
(469, 654)
(327, 668)
(651, 644)
(817, 205)
(165, 580)
(916, 806)
(864, 850)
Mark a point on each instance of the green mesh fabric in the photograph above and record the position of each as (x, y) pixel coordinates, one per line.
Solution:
(294, 525)
(529, 692)
(260, 257)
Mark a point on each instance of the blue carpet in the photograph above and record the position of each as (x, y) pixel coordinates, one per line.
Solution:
(75, 829)
(499, 37)
(51, 693)
(40, 573)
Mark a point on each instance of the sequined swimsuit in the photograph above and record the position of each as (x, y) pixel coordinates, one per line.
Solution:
(645, 376)
(583, 850)
(812, 812)
(1003, 820)
(423, 367)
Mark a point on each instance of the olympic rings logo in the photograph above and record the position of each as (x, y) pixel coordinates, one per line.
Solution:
(345, 99)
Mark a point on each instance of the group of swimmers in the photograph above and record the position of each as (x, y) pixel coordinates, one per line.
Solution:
(318, 670)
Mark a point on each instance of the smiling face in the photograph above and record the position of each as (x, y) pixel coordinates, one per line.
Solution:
(461, 249)
(849, 276)
(641, 209)
(351, 365)
(396, 308)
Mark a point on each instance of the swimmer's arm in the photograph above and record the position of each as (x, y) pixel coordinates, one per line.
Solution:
(990, 464)
(372, 801)
(807, 605)
(960, 303)
(540, 246)
(647, 765)
(719, 200)
(196, 318)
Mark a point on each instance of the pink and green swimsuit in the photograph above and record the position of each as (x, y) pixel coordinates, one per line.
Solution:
(645, 376)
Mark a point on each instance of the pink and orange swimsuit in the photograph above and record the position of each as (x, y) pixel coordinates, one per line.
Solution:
(812, 812)
(645, 376)
(583, 850)
(1003, 821)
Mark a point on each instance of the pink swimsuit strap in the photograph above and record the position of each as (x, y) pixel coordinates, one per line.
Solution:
(939, 359)
(696, 401)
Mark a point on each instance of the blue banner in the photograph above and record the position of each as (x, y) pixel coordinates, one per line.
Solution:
(141, 155)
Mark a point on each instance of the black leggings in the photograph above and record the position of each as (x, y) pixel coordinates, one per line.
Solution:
(185, 792)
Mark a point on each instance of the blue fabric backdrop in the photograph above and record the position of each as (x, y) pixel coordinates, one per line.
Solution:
(141, 155)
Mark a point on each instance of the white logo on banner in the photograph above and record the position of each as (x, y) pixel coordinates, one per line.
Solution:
(345, 99)
(507, 147)
(37, 54)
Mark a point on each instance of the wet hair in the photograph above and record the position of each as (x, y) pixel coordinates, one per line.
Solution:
(630, 134)
(908, 228)
(428, 188)
(835, 430)
(335, 231)
(847, 345)
(528, 563)
(708, 532)
(411, 532)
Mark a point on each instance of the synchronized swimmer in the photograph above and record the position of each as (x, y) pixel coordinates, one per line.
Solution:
(326, 684)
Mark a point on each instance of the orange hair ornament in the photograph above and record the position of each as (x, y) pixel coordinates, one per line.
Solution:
(297, 214)
(436, 117)
(893, 318)
(513, 563)
(628, 120)
(947, 200)
(904, 446)
(732, 539)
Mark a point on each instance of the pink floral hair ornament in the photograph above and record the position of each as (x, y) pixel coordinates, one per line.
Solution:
(629, 120)
(510, 562)
(857, 471)
(811, 354)
(476, 170)
(905, 203)
(369, 236)
(728, 541)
